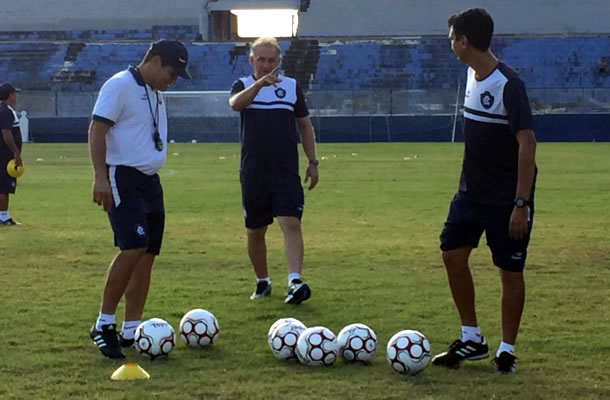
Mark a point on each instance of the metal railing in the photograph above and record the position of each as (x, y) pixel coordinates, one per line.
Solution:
(384, 102)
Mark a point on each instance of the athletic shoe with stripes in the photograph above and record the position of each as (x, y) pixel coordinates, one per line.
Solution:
(263, 289)
(460, 351)
(126, 343)
(107, 341)
(9, 222)
(297, 292)
(505, 363)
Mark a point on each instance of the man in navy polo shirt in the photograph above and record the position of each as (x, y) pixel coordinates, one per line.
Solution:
(271, 106)
(128, 145)
(496, 190)
(10, 148)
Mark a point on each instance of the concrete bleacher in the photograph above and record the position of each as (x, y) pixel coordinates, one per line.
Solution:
(30, 65)
(553, 68)
(178, 32)
(396, 64)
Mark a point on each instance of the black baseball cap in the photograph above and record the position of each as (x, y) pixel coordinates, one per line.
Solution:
(174, 53)
(6, 89)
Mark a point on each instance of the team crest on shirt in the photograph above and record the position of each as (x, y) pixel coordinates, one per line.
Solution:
(280, 93)
(487, 100)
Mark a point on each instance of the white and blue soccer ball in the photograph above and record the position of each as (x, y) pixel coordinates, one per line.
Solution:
(283, 336)
(317, 346)
(199, 328)
(408, 352)
(357, 343)
(154, 338)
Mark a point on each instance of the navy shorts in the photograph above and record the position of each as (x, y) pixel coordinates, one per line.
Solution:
(265, 197)
(8, 184)
(467, 221)
(137, 215)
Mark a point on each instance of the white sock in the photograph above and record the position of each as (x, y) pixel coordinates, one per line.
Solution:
(471, 333)
(505, 347)
(4, 215)
(292, 276)
(128, 330)
(104, 319)
(263, 279)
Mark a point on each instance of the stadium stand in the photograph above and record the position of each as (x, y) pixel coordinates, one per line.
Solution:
(389, 82)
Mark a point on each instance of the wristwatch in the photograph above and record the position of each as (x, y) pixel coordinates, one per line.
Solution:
(314, 162)
(520, 202)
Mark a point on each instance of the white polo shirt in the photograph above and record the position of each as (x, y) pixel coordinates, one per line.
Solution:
(123, 104)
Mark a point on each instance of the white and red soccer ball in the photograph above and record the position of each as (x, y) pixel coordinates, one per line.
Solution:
(154, 338)
(317, 346)
(199, 328)
(408, 352)
(283, 336)
(357, 343)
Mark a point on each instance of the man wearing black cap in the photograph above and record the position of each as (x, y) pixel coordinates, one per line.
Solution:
(128, 145)
(10, 148)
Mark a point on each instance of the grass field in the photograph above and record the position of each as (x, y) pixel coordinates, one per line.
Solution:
(371, 235)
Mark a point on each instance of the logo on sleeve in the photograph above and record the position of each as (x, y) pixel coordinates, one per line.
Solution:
(487, 100)
(280, 93)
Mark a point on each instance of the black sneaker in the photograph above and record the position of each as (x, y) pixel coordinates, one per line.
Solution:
(9, 222)
(107, 341)
(460, 351)
(297, 292)
(125, 343)
(504, 363)
(263, 289)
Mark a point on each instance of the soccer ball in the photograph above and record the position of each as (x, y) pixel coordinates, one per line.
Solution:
(278, 323)
(198, 328)
(357, 342)
(408, 352)
(317, 346)
(154, 338)
(282, 337)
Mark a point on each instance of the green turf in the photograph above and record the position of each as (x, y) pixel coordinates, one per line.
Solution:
(371, 235)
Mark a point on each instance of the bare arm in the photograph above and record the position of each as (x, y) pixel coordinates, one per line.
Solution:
(7, 135)
(525, 179)
(242, 99)
(102, 194)
(527, 162)
(308, 140)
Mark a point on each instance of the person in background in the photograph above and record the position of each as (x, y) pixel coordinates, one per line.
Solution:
(271, 107)
(10, 148)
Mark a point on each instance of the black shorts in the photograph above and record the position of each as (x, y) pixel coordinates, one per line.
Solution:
(265, 196)
(137, 215)
(8, 184)
(467, 221)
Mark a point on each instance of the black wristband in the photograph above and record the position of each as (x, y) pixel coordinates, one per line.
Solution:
(314, 162)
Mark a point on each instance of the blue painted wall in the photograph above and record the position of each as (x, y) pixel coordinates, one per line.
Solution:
(548, 128)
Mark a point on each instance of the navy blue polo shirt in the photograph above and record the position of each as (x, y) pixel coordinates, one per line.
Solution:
(268, 132)
(9, 120)
(495, 109)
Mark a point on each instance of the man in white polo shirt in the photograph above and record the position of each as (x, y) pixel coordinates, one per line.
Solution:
(127, 143)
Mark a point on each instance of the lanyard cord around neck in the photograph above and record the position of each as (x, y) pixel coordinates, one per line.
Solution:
(155, 115)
